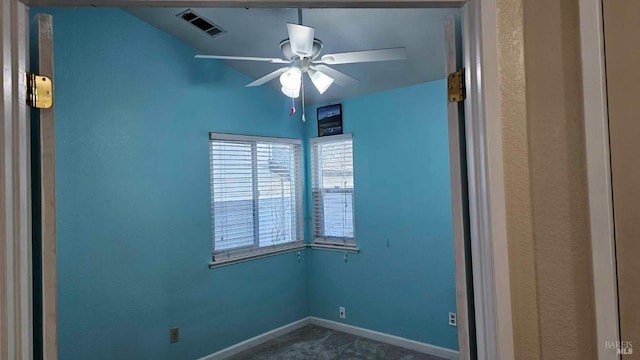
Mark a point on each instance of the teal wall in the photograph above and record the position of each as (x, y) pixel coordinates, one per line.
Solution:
(402, 282)
(133, 112)
(134, 238)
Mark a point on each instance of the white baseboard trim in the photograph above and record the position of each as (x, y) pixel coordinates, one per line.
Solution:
(257, 340)
(388, 339)
(349, 329)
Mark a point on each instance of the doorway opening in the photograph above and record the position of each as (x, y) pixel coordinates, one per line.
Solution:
(473, 172)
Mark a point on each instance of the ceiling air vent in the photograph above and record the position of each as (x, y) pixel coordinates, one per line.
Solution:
(201, 23)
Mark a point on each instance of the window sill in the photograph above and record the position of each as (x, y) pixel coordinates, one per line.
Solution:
(298, 247)
(339, 248)
(240, 259)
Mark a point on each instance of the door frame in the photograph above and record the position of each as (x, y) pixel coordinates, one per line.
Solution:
(490, 266)
(16, 283)
(596, 124)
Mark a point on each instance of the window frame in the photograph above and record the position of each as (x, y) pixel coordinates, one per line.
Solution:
(323, 240)
(249, 252)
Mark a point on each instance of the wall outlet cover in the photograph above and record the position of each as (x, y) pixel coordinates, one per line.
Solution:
(343, 313)
(174, 335)
(453, 319)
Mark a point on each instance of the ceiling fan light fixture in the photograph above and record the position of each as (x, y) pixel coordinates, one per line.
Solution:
(291, 81)
(320, 80)
(291, 78)
(292, 93)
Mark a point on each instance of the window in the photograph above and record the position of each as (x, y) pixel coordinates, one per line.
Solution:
(256, 195)
(332, 190)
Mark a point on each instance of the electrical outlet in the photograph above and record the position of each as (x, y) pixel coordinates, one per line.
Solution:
(453, 319)
(343, 313)
(174, 335)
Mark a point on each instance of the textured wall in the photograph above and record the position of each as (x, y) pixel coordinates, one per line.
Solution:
(621, 28)
(517, 183)
(132, 163)
(545, 179)
(402, 283)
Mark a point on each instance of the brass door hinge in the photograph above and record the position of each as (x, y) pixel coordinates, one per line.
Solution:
(39, 91)
(455, 86)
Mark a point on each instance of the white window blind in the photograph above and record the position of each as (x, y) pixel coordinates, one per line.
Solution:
(256, 195)
(332, 190)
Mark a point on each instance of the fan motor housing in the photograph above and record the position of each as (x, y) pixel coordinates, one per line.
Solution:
(285, 46)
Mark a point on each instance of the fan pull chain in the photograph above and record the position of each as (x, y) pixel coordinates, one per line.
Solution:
(293, 108)
(302, 93)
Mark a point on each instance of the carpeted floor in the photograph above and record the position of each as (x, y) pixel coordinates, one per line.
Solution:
(317, 343)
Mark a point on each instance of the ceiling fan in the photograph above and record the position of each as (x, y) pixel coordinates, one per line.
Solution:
(301, 52)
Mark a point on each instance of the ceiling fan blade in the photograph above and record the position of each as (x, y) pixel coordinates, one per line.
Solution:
(339, 78)
(399, 53)
(249, 58)
(301, 39)
(270, 76)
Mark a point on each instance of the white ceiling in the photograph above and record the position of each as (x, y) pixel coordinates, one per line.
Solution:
(258, 32)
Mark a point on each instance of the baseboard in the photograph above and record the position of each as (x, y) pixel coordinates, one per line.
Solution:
(257, 340)
(349, 329)
(388, 339)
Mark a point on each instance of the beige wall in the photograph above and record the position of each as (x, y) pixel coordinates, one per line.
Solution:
(621, 29)
(517, 183)
(545, 179)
